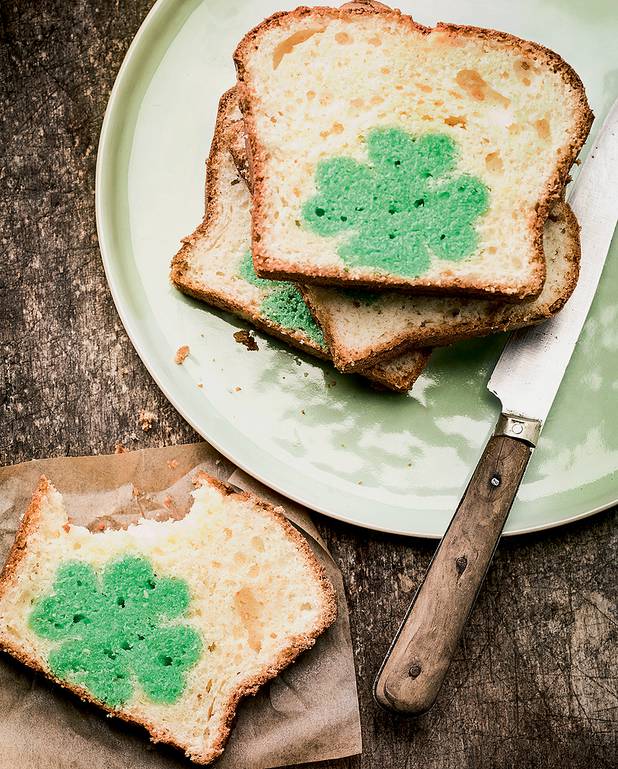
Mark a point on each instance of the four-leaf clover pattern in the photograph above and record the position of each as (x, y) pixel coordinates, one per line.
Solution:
(402, 208)
(114, 630)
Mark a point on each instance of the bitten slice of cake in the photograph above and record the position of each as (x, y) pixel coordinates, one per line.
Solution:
(215, 265)
(389, 154)
(166, 624)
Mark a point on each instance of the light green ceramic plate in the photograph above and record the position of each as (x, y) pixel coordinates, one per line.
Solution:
(389, 462)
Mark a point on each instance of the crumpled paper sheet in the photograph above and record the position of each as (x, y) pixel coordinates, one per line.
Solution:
(308, 713)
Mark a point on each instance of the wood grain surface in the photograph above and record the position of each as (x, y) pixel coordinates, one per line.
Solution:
(417, 663)
(534, 682)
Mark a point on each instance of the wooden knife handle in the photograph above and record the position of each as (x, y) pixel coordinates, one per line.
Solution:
(416, 664)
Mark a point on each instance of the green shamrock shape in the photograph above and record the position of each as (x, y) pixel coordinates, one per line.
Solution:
(110, 630)
(283, 304)
(397, 209)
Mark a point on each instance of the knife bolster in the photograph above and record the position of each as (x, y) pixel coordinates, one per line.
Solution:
(520, 428)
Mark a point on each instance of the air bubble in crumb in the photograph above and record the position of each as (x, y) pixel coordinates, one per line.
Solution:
(146, 420)
(181, 354)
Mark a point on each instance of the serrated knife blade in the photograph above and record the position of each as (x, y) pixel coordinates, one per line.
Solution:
(532, 365)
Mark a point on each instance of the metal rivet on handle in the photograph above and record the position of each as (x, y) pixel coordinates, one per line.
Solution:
(415, 670)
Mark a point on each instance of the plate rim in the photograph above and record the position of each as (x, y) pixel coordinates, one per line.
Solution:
(105, 151)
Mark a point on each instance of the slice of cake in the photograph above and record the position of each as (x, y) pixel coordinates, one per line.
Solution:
(388, 154)
(164, 624)
(363, 327)
(215, 265)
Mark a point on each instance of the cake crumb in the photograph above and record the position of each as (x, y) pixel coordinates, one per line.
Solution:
(119, 448)
(172, 464)
(237, 389)
(200, 385)
(105, 523)
(147, 419)
(246, 338)
(181, 354)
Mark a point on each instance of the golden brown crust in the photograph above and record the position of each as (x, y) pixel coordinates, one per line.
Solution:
(270, 267)
(297, 644)
(563, 213)
(27, 526)
(498, 317)
(403, 381)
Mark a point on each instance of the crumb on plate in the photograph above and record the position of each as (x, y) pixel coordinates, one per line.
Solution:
(181, 354)
(246, 338)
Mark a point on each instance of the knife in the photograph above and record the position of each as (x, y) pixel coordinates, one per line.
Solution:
(525, 380)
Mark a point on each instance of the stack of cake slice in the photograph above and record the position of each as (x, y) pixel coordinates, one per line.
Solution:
(376, 188)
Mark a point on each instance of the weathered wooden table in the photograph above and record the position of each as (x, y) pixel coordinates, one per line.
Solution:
(535, 680)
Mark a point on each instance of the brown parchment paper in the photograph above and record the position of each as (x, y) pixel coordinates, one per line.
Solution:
(308, 713)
